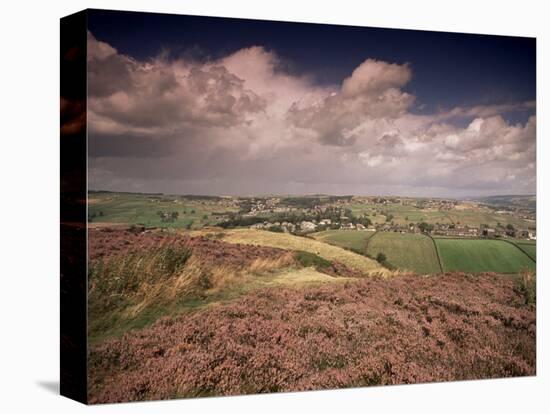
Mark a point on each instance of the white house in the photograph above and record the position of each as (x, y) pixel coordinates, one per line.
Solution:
(307, 226)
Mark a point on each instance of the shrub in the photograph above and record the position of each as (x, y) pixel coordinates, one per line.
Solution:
(205, 280)
(307, 259)
(381, 258)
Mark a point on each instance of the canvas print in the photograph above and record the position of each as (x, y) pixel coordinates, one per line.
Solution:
(276, 206)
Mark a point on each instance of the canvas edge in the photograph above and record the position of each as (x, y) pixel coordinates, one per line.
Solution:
(73, 207)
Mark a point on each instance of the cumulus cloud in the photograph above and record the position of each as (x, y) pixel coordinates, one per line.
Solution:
(159, 97)
(372, 92)
(375, 77)
(242, 124)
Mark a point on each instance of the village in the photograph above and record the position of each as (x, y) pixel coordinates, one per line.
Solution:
(303, 219)
(446, 230)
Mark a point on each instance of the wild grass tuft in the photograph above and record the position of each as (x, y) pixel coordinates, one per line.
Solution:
(528, 286)
(129, 282)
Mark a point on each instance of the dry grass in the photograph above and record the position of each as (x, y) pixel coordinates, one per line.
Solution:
(290, 242)
(528, 286)
(263, 265)
(307, 276)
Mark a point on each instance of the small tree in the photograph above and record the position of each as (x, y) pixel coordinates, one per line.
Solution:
(425, 227)
(381, 257)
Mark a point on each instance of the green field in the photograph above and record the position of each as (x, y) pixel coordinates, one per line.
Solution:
(403, 214)
(129, 208)
(348, 239)
(528, 246)
(482, 256)
(413, 252)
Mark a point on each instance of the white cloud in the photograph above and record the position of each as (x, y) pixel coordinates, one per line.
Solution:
(374, 77)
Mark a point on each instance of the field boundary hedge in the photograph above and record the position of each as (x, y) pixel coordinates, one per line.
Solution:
(369, 239)
(523, 251)
(436, 252)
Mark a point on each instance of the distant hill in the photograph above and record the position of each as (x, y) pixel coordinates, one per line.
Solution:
(509, 201)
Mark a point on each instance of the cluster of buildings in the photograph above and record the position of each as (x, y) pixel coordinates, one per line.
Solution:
(338, 211)
(456, 230)
(285, 226)
(310, 226)
(269, 205)
(448, 230)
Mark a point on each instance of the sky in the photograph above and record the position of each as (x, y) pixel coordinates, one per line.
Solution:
(198, 105)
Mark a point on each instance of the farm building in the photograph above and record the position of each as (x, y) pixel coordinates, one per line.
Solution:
(459, 231)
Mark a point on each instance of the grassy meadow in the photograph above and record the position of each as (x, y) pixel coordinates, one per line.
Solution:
(412, 252)
(142, 209)
(528, 246)
(351, 240)
(417, 252)
(482, 256)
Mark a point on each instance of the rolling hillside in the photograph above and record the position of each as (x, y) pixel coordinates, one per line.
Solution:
(352, 240)
(290, 242)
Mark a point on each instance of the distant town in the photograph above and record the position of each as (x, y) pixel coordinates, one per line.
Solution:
(338, 216)
(491, 217)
